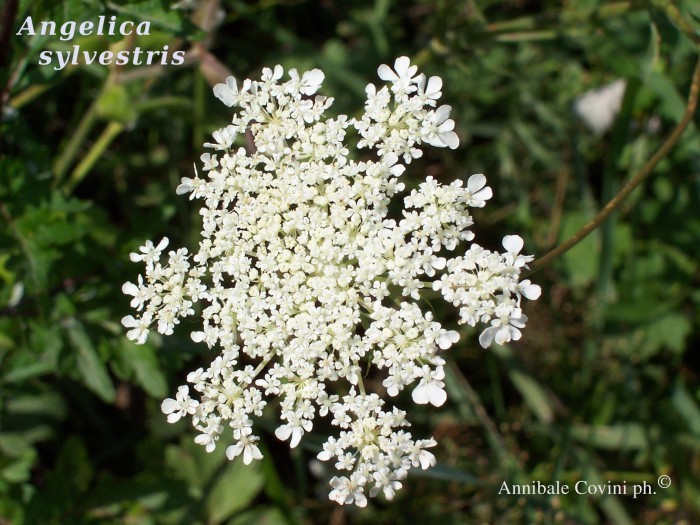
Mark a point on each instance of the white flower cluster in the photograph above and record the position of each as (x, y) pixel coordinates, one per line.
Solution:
(306, 281)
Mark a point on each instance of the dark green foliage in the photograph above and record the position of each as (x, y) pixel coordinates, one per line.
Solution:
(605, 384)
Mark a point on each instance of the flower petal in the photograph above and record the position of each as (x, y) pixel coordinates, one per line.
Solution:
(513, 243)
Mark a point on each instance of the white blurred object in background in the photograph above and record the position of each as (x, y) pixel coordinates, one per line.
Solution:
(599, 107)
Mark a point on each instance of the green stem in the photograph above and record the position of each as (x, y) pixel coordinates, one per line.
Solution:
(199, 110)
(674, 14)
(361, 386)
(104, 140)
(262, 365)
(76, 141)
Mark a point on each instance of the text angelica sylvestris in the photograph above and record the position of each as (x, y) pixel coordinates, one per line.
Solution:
(103, 26)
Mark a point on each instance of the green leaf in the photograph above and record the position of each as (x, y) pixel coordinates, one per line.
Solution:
(234, 490)
(445, 473)
(224, 486)
(672, 102)
(182, 459)
(142, 360)
(28, 371)
(49, 404)
(90, 368)
(687, 407)
(73, 467)
(275, 488)
(18, 470)
(669, 331)
(260, 516)
(153, 12)
(116, 104)
(45, 341)
(5, 274)
(610, 504)
(29, 418)
(631, 436)
(64, 485)
(145, 491)
(581, 261)
(533, 393)
(14, 444)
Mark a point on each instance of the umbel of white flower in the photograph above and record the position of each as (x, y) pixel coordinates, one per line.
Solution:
(306, 284)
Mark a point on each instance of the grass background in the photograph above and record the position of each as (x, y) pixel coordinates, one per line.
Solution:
(604, 386)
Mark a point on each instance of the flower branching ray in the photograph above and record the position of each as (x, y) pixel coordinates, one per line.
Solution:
(297, 265)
